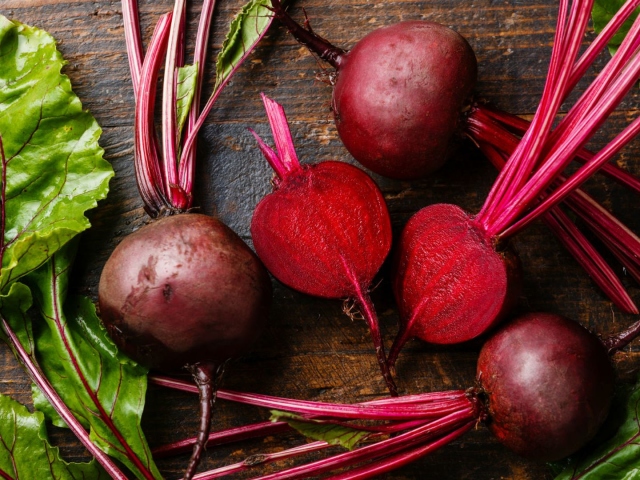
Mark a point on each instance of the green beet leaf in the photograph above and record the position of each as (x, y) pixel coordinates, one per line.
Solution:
(617, 455)
(25, 451)
(245, 31)
(103, 388)
(51, 159)
(187, 83)
(333, 434)
(603, 11)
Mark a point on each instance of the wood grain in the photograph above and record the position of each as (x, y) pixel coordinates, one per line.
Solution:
(311, 350)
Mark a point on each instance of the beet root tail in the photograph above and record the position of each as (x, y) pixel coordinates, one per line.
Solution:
(398, 343)
(205, 376)
(369, 313)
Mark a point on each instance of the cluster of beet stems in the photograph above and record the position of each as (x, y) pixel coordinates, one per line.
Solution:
(536, 155)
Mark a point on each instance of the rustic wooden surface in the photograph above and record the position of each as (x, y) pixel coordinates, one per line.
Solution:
(311, 350)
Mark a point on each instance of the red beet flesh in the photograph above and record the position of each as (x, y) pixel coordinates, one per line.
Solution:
(184, 290)
(324, 231)
(450, 282)
(549, 384)
(399, 97)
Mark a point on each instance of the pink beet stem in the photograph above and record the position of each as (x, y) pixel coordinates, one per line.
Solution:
(578, 245)
(607, 227)
(417, 436)
(170, 140)
(281, 136)
(566, 149)
(594, 48)
(483, 130)
(521, 163)
(272, 157)
(39, 379)
(577, 179)
(601, 41)
(147, 161)
(553, 95)
(387, 464)
(262, 459)
(369, 313)
(186, 167)
(427, 405)
(133, 40)
(245, 432)
(190, 139)
(520, 125)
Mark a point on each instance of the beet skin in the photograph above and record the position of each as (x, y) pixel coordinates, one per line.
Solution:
(549, 384)
(400, 94)
(184, 289)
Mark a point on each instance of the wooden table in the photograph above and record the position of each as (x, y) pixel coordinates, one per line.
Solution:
(311, 350)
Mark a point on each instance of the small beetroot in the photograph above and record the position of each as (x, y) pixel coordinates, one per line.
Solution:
(325, 229)
(549, 384)
(400, 93)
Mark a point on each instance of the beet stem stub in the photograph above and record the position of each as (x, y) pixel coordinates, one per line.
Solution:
(207, 377)
(315, 43)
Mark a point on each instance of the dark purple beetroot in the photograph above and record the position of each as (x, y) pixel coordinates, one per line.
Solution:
(549, 384)
(400, 94)
(184, 290)
(450, 281)
(325, 230)
(399, 97)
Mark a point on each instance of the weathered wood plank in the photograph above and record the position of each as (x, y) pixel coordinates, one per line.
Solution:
(311, 350)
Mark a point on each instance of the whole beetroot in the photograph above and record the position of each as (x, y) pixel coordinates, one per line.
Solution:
(399, 97)
(184, 290)
(400, 93)
(548, 383)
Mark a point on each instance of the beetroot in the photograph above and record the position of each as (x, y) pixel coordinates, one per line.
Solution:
(548, 384)
(400, 94)
(441, 251)
(184, 292)
(325, 229)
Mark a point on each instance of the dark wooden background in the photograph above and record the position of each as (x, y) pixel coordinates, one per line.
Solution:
(311, 350)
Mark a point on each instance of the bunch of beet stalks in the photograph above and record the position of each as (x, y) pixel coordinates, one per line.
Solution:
(325, 231)
(543, 387)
